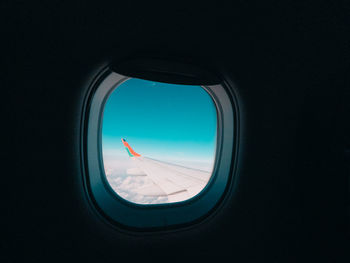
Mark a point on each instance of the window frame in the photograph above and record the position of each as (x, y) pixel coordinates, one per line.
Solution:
(118, 210)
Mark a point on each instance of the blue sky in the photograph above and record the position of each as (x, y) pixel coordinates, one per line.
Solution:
(163, 121)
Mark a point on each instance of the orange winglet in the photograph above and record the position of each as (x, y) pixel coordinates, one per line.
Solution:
(129, 149)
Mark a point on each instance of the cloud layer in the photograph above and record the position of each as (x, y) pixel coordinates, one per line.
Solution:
(125, 185)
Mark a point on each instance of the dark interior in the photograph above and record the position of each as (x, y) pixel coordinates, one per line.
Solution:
(289, 62)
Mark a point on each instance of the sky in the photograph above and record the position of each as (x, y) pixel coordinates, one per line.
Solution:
(167, 122)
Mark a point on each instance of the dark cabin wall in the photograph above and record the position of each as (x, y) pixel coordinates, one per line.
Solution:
(288, 62)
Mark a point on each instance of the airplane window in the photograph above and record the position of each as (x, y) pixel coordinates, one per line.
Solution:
(158, 141)
(158, 154)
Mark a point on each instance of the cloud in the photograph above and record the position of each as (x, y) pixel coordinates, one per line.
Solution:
(125, 185)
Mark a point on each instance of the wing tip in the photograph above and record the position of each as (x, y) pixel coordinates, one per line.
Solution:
(129, 150)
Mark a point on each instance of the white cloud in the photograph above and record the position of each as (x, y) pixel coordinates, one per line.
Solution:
(125, 185)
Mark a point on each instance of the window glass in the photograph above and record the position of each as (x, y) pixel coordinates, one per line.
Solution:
(158, 141)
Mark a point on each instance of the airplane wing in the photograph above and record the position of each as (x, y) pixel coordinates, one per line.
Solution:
(174, 181)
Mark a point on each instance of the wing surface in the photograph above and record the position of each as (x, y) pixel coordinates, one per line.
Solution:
(175, 181)
(171, 178)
